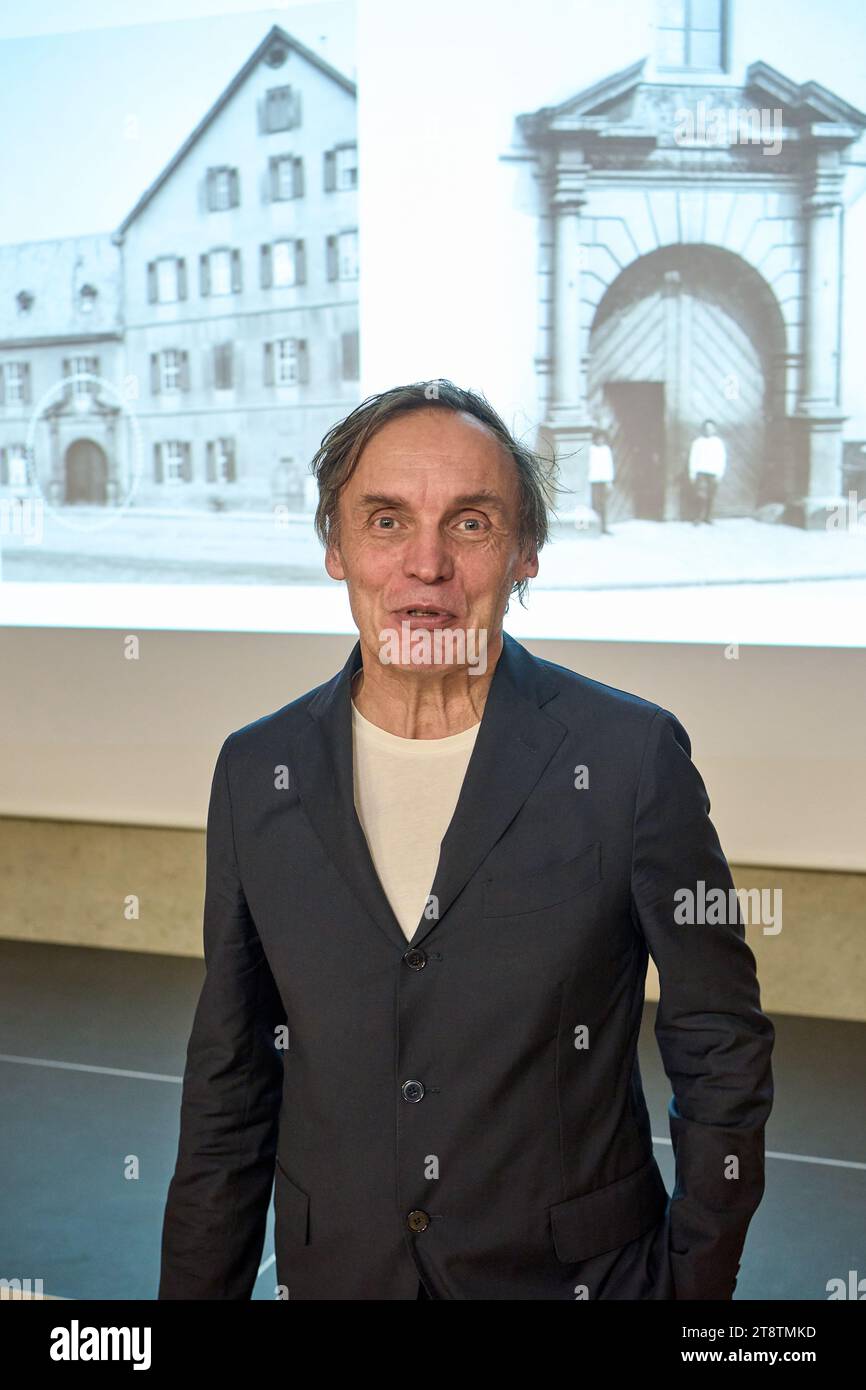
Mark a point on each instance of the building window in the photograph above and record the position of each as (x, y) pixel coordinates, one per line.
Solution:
(15, 384)
(13, 466)
(342, 256)
(223, 188)
(286, 362)
(173, 462)
(282, 109)
(223, 366)
(349, 356)
(287, 177)
(283, 263)
(220, 456)
(80, 371)
(692, 34)
(341, 168)
(220, 271)
(166, 279)
(169, 371)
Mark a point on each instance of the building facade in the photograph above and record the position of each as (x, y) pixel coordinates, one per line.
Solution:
(196, 357)
(691, 268)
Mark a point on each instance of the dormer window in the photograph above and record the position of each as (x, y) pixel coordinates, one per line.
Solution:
(24, 301)
(692, 34)
(87, 296)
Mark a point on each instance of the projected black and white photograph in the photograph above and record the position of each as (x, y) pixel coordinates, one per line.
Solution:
(165, 381)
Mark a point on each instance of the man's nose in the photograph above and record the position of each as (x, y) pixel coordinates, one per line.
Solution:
(427, 555)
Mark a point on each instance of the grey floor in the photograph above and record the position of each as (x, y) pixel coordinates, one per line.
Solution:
(92, 1047)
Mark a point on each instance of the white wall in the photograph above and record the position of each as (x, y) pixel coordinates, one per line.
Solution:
(779, 734)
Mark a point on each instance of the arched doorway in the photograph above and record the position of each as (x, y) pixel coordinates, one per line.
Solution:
(684, 334)
(86, 473)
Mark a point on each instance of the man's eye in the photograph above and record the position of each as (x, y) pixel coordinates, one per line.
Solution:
(472, 521)
(377, 519)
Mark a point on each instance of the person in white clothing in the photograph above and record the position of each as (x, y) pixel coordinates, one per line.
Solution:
(600, 474)
(707, 462)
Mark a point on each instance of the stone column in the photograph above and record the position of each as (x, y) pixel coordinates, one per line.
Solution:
(818, 418)
(567, 426)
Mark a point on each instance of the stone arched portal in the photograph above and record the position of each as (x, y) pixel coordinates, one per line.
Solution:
(682, 334)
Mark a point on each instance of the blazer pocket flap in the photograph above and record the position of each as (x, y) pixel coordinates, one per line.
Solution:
(512, 893)
(291, 1208)
(609, 1217)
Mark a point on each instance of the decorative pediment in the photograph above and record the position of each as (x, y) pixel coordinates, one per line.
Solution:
(625, 109)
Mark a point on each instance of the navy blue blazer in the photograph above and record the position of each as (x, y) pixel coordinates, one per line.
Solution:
(466, 1109)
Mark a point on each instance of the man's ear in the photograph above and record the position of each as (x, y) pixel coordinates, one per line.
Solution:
(333, 563)
(530, 560)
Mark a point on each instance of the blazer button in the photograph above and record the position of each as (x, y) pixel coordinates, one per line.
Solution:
(415, 958)
(412, 1090)
(417, 1221)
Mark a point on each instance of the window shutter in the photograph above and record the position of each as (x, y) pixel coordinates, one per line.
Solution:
(237, 279)
(158, 473)
(25, 383)
(300, 263)
(273, 165)
(154, 373)
(350, 355)
(298, 177)
(303, 361)
(184, 371)
(181, 278)
(266, 274)
(67, 385)
(331, 257)
(330, 171)
(151, 282)
(2, 387)
(187, 462)
(204, 273)
(210, 462)
(223, 363)
(231, 469)
(234, 188)
(294, 106)
(269, 364)
(210, 190)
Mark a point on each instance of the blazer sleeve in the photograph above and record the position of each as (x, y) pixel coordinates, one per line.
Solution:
(217, 1203)
(714, 1040)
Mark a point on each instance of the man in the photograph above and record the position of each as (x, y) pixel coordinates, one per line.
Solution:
(600, 475)
(707, 461)
(428, 910)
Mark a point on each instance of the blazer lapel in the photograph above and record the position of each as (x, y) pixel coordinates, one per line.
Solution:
(514, 745)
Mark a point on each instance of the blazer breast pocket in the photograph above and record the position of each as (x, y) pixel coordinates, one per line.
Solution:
(291, 1209)
(507, 894)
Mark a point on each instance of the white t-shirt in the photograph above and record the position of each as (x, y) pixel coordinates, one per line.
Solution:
(707, 455)
(406, 791)
(600, 463)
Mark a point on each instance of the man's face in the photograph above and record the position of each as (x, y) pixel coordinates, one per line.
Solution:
(429, 519)
(709, 427)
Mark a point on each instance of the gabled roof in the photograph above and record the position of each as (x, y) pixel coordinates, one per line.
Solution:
(274, 33)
